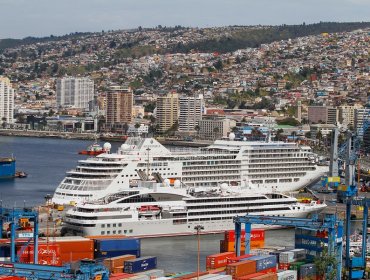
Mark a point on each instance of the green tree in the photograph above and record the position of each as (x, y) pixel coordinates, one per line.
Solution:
(319, 137)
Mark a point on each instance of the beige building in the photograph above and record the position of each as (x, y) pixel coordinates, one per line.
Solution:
(167, 111)
(119, 105)
(215, 128)
(360, 116)
(347, 114)
(6, 100)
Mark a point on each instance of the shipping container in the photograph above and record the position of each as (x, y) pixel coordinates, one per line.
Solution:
(287, 275)
(111, 263)
(117, 244)
(192, 275)
(203, 277)
(299, 254)
(238, 259)
(249, 276)
(153, 273)
(217, 270)
(4, 250)
(283, 266)
(117, 269)
(264, 262)
(141, 264)
(111, 254)
(296, 266)
(256, 235)
(268, 276)
(139, 277)
(221, 277)
(119, 276)
(218, 260)
(307, 270)
(75, 256)
(48, 254)
(241, 268)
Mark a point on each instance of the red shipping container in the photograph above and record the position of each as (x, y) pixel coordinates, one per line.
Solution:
(256, 235)
(191, 275)
(283, 266)
(49, 254)
(241, 268)
(269, 270)
(119, 276)
(3, 277)
(237, 259)
(218, 260)
(247, 277)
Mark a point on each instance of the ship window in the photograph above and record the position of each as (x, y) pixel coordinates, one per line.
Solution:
(103, 225)
(114, 232)
(125, 231)
(119, 224)
(103, 232)
(108, 225)
(114, 225)
(108, 232)
(120, 231)
(131, 230)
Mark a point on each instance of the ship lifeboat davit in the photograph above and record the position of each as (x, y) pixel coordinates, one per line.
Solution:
(149, 210)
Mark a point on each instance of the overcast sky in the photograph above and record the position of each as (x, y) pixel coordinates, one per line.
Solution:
(21, 18)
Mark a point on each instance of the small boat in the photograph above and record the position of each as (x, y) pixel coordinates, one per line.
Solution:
(20, 174)
(149, 210)
(93, 150)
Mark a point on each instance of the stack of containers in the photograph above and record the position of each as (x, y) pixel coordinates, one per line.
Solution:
(288, 257)
(116, 264)
(218, 260)
(228, 243)
(140, 265)
(107, 248)
(239, 269)
(265, 264)
(239, 259)
(213, 277)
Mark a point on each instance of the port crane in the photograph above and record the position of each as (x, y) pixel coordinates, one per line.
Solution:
(331, 223)
(83, 270)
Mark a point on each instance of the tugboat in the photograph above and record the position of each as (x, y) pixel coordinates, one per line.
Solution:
(93, 150)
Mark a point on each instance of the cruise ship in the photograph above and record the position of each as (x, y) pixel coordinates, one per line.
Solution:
(153, 209)
(269, 166)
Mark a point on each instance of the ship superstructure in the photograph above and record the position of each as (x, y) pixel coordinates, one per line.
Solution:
(267, 166)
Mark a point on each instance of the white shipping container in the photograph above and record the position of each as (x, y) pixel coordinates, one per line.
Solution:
(139, 277)
(207, 276)
(156, 273)
(286, 257)
(221, 277)
(287, 275)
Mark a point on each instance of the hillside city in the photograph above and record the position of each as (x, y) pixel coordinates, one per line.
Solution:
(128, 82)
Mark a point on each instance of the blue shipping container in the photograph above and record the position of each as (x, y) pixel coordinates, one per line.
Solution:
(5, 251)
(139, 265)
(264, 262)
(117, 244)
(7, 168)
(111, 254)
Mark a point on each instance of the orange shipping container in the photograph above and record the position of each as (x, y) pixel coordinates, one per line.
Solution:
(77, 246)
(118, 269)
(191, 275)
(241, 268)
(218, 260)
(76, 256)
(249, 276)
(283, 266)
(256, 235)
(112, 263)
(119, 276)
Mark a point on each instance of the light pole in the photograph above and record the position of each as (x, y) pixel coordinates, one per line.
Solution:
(147, 167)
(198, 228)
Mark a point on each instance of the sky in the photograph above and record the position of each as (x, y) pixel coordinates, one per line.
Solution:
(22, 18)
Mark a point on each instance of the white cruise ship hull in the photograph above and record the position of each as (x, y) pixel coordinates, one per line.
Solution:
(167, 227)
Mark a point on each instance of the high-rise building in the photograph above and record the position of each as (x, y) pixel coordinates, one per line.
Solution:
(360, 116)
(299, 111)
(6, 100)
(190, 112)
(167, 111)
(119, 105)
(322, 114)
(215, 128)
(75, 92)
(347, 114)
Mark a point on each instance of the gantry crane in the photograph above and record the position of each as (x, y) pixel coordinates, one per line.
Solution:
(83, 270)
(331, 223)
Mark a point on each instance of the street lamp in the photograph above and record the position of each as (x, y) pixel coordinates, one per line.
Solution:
(198, 228)
(148, 165)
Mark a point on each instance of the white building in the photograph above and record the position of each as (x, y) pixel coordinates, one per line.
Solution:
(347, 114)
(6, 101)
(75, 92)
(360, 116)
(191, 108)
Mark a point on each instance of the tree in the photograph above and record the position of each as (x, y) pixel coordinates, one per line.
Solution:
(137, 125)
(326, 265)
(319, 137)
(197, 129)
(59, 125)
(21, 119)
(278, 135)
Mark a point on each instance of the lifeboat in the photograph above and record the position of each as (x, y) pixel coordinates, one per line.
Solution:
(149, 210)
(93, 150)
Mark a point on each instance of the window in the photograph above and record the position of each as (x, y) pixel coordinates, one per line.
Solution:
(114, 225)
(114, 232)
(103, 225)
(103, 232)
(108, 225)
(119, 224)
(131, 231)
(120, 231)
(108, 232)
(125, 231)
